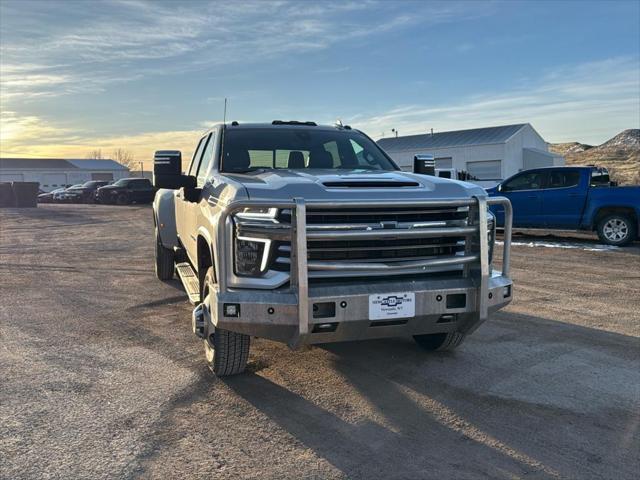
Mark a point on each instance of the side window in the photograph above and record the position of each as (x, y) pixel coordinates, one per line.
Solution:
(563, 179)
(207, 160)
(525, 181)
(193, 166)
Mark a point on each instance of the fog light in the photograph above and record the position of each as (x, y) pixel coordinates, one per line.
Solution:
(506, 291)
(231, 310)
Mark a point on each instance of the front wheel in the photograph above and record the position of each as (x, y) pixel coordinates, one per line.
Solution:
(122, 199)
(226, 352)
(439, 341)
(616, 229)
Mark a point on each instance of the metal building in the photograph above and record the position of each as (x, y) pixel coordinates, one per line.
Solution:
(489, 154)
(52, 173)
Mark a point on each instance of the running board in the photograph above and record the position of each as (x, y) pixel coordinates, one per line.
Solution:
(189, 281)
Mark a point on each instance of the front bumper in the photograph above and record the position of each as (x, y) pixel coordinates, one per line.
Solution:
(309, 312)
(441, 305)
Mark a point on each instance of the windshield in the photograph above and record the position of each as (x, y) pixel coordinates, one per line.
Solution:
(121, 183)
(300, 149)
(92, 183)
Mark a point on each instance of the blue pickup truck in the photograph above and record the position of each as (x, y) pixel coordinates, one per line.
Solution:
(572, 198)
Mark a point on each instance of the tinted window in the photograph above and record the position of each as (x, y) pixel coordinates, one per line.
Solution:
(207, 158)
(142, 184)
(600, 177)
(563, 179)
(193, 166)
(300, 148)
(524, 181)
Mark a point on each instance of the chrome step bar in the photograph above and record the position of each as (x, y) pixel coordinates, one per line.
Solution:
(190, 281)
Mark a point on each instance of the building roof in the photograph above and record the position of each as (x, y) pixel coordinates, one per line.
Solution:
(59, 164)
(457, 138)
(541, 152)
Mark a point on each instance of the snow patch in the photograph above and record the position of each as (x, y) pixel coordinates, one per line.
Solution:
(588, 247)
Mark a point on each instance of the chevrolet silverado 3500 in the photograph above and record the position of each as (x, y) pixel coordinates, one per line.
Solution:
(310, 234)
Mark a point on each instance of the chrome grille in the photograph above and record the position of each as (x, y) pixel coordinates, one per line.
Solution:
(351, 242)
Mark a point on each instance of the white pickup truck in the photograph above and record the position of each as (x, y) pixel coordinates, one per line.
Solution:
(309, 234)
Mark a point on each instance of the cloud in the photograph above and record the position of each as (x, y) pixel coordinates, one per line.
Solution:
(589, 102)
(42, 55)
(32, 136)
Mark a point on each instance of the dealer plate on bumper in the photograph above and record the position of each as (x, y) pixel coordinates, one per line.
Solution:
(392, 305)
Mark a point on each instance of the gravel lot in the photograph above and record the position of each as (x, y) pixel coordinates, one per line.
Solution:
(100, 376)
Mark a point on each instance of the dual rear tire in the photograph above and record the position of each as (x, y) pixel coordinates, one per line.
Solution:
(164, 260)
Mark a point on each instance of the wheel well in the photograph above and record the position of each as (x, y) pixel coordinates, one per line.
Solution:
(205, 259)
(604, 211)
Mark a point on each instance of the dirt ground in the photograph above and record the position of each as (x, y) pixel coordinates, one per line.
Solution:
(101, 377)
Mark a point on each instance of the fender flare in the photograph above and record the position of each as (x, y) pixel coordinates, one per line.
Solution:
(206, 235)
(164, 215)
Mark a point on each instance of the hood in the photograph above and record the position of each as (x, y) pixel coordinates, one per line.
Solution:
(326, 185)
(109, 187)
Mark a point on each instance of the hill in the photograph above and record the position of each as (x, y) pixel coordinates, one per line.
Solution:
(620, 154)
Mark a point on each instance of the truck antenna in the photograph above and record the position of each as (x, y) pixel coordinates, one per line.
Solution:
(224, 116)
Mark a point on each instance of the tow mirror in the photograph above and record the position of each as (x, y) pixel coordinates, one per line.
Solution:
(424, 164)
(499, 187)
(167, 171)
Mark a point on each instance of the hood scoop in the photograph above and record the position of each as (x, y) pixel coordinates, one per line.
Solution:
(370, 184)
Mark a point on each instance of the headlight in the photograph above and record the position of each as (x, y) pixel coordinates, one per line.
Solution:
(251, 252)
(261, 213)
(251, 255)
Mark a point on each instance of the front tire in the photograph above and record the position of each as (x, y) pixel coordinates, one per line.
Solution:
(226, 352)
(439, 342)
(122, 199)
(164, 260)
(616, 229)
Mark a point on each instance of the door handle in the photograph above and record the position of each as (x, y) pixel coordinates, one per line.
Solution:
(574, 195)
(532, 196)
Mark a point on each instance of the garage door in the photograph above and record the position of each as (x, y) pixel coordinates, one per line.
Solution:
(11, 177)
(53, 180)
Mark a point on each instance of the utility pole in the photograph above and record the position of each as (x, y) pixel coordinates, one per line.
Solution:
(141, 169)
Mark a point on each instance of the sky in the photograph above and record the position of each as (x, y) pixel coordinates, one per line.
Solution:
(77, 76)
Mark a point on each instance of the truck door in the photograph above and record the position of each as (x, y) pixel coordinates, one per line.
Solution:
(183, 223)
(563, 198)
(192, 209)
(525, 193)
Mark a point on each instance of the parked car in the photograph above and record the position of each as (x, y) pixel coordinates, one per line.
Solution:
(85, 193)
(127, 190)
(66, 194)
(308, 234)
(47, 197)
(572, 198)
